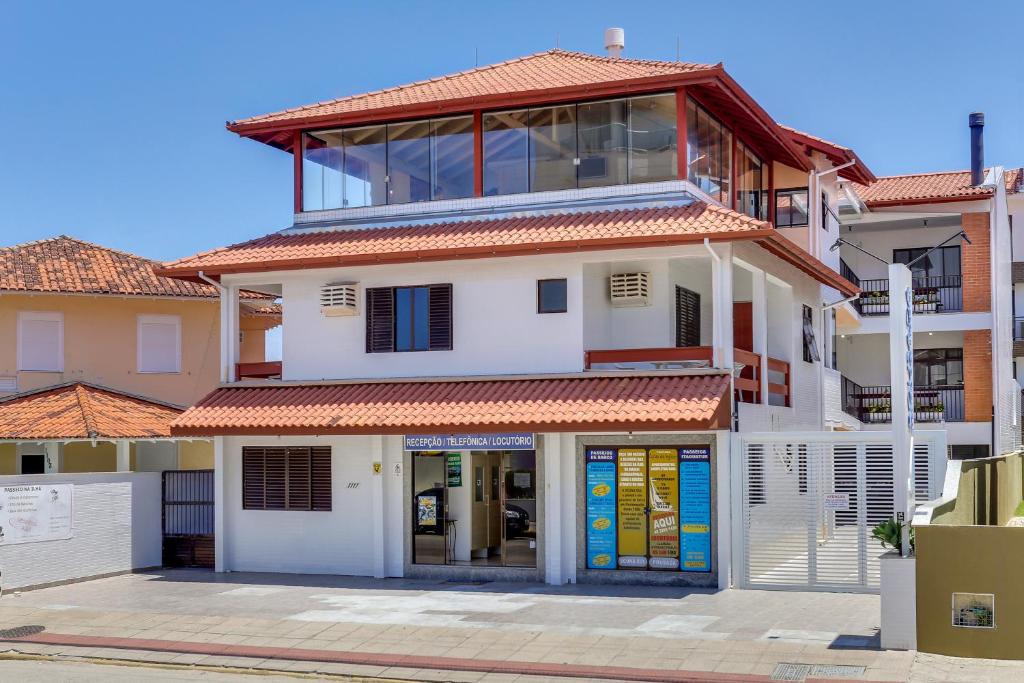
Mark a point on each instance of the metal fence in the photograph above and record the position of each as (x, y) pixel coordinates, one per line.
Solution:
(931, 404)
(933, 294)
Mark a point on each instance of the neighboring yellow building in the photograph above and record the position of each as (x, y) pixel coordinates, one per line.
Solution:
(72, 311)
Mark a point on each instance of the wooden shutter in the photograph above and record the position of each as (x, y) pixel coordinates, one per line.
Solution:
(321, 472)
(440, 324)
(380, 320)
(299, 479)
(687, 317)
(253, 481)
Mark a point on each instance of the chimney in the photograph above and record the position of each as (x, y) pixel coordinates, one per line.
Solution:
(614, 41)
(977, 123)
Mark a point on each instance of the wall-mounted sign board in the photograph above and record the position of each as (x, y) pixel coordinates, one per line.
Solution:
(512, 441)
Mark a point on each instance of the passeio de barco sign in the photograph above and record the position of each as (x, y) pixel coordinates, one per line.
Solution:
(513, 441)
(31, 513)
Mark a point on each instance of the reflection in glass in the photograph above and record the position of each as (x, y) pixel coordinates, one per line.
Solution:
(603, 142)
(430, 542)
(451, 155)
(752, 183)
(791, 207)
(709, 153)
(322, 186)
(408, 158)
(506, 152)
(652, 138)
(552, 148)
(365, 166)
(412, 319)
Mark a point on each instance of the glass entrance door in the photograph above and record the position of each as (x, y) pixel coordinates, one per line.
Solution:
(519, 508)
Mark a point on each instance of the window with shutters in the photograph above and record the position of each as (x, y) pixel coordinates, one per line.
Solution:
(41, 341)
(409, 318)
(687, 317)
(159, 343)
(286, 478)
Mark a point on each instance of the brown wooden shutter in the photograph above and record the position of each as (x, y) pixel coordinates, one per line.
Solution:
(299, 479)
(380, 320)
(276, 477)
(687, 317)
(440, 323)
(253, 480)
(321, 470)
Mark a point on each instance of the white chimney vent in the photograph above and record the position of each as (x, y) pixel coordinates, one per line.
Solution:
(338, 299)
(614, 41)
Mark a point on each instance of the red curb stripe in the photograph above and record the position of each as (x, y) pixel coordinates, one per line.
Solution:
(394, 660)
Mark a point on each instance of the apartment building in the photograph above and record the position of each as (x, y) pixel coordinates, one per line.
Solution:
(953, 230)
(99, 355)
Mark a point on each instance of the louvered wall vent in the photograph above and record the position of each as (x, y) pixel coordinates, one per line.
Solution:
(630, 289)
(338, 299)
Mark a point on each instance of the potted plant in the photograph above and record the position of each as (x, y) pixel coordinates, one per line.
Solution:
(898, 587)
(879, 412)
(926, 300)
(874, 302)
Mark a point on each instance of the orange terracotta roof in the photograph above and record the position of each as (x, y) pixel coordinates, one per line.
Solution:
(68, 265)
(78, 410)
(542, 71)
(929, 188)
(837, 154)
(629, 402)
(517, 235)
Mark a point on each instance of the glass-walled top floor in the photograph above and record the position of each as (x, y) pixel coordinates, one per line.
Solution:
(588, 144)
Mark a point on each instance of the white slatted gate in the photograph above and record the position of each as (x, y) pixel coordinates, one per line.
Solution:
(810, 499)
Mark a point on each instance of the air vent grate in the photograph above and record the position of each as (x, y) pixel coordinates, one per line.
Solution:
(630, 289)
(339, 299)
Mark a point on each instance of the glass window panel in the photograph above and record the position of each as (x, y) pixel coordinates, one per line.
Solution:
(322, 185)
(451, 157)
(421, 319)
(790, 208)
(365, 166)
(714, 158)
(692, 143)
(750, 186)
(552, 148)
(653, 138)
(506, 152)
(602, 143)
(408, 162)
(951, 260)
(725, 170)
(403, 319)
(551, 296)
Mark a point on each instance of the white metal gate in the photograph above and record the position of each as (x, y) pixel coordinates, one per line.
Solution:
(810, 499)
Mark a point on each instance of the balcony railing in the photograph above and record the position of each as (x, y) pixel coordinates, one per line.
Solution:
(931, 404)
(747, 380)
(933, 294)
(846, 271)
(265, 370)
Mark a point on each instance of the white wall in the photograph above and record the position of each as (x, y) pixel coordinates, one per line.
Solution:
(862, 357)
(116, 520)
(342, 541)
(882, 241)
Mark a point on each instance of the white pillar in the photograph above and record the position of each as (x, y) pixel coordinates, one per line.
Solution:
(721, 283)
(723, 484)
(759, 319)
(377, 505)
(567, 509)
(225, 316)
(901, 361)
(394, 511)
(124, 463)
(219, 501)
(51, 461)
(552, 454)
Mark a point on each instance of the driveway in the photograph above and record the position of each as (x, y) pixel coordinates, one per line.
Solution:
(437, 630)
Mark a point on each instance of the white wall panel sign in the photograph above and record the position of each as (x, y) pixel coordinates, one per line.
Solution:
(35, 512)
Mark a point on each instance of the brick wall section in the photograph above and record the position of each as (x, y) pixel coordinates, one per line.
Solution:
(976, 265)
(1018, 271)
(977, 375)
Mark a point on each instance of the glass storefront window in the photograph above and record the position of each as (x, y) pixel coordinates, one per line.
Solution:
(506, 152)
(653, 138)
(451, 158)
(322, 184)
(408, 155)
(603, 143)
(552, 148)
(709, 153)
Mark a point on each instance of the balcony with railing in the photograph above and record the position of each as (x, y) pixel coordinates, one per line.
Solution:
(933, 294)
(747, 368)
(872, 404)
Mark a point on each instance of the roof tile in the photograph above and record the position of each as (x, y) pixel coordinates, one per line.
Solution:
(444, 406)
(922, 188)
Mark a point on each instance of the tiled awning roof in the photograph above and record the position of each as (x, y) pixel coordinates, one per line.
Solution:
(83, 411)
(928, 188)
(835, 153)
(559, 404)
(517, 235)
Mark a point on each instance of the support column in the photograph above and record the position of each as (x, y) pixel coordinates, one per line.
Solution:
(219, 501)
(124, 463)
(552, 456)
(567, 509)
(377, 505)
(721, 277)
(51, 461)
(726, 482)
(759, 318)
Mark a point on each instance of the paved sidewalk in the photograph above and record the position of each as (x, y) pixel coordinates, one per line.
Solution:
(434, 630)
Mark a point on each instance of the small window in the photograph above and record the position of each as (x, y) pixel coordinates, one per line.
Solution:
(811, 354)
(159, 343)
(552, 296)
(286, 478)
(409, 318)
(791, 208)
(40, 341)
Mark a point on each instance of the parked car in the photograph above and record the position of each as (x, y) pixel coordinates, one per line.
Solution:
(430, 507)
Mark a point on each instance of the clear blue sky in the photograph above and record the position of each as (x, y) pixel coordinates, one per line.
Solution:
(114, 111)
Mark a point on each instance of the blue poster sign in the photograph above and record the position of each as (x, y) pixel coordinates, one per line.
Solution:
(601, 510)
(514, 441)
(695, 508)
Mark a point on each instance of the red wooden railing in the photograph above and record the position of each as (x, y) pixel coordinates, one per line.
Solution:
(747, 384)
(264, 370)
